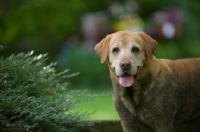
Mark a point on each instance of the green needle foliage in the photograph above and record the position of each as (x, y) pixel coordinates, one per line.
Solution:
(34, 96)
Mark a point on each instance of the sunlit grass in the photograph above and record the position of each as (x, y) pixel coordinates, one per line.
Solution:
(102, 107)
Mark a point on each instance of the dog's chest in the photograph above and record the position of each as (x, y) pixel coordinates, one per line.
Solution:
(131, 98)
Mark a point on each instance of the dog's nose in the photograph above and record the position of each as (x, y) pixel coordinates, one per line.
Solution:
(125, 64)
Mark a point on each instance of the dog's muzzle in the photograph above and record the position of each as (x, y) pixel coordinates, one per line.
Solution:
(127, 79)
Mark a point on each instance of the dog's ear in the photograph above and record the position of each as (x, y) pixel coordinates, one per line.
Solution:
(102, 48)
(149, 43)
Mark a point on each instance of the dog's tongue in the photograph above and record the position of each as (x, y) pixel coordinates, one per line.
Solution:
(126, 80)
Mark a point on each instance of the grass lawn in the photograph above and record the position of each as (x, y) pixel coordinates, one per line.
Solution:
(103, 106)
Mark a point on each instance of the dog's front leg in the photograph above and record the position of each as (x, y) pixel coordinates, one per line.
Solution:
(129, 127)
(165, 127)
(127, 119)
(164, 130)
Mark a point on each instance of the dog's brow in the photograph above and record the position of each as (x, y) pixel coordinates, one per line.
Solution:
(135, 45)
(116, 44)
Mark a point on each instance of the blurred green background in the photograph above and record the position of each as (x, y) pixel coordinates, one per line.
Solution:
(69, 29)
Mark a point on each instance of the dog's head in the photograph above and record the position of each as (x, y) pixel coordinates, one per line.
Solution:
(126, 52)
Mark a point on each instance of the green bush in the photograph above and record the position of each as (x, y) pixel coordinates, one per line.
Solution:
(34, 95)
(177, 49)
(91, 72)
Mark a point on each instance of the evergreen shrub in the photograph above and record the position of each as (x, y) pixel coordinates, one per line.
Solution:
(35, 97)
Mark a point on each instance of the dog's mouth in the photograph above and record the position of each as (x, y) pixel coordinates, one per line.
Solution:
(127, 80)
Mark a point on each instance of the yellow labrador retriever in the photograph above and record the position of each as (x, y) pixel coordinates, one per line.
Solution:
(156, 93)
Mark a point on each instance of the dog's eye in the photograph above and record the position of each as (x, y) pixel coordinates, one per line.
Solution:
(115, 50)
(135, 49)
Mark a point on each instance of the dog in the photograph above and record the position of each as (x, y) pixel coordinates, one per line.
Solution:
(149, 92)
